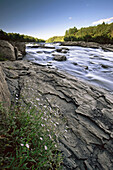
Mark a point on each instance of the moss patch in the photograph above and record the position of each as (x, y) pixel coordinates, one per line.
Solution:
(2, 57)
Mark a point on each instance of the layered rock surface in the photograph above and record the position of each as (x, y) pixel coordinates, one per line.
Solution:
(85, 112)
(4, 91)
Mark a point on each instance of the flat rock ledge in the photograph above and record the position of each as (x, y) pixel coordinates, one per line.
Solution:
(108, 47)
(85, 112)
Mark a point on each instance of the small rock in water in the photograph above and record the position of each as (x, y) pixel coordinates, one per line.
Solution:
(59, 50)
(39, 52)
(85, 67)
(62, 50)
(75, 64)
(104, 66)
(59, 57)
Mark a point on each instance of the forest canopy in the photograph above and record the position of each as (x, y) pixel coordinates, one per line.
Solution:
(102, 33)
(55, 39)
(18, 37)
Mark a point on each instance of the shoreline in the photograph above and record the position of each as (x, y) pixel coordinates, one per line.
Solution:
(108, 47)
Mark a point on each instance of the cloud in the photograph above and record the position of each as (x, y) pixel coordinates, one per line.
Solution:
(102, 20)
(70, 18)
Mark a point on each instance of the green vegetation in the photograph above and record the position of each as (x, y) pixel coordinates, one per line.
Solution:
(2, 57)
(28, 140)
(102, 33)
(18, 37)
(55, 39)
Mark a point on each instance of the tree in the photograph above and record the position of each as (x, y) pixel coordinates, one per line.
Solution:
(72, 31)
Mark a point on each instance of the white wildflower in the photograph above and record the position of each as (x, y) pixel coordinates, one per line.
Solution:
(50, 136)
(27, 145)
(22, 144)
(54, 124)
(37, 99)
(41, 138)
(45, 147)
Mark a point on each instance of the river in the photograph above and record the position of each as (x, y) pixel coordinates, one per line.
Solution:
(94, 65)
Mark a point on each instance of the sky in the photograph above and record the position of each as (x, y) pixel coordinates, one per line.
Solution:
(48, 18)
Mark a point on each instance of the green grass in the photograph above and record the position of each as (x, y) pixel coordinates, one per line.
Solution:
(27, 140)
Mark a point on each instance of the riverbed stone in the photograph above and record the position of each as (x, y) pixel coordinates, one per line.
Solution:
(62, 50)
(83, 112)
(59, 57)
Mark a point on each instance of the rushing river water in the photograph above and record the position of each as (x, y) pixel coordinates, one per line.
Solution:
(93, 65)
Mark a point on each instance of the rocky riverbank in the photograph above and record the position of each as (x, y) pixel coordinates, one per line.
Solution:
(85, 112)
(88, 44)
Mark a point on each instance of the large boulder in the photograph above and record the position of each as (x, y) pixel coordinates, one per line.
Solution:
(21, 47)
(4, 91)
(7, 51)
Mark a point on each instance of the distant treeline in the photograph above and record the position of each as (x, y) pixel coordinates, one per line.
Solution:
(55, 39)
(18, 37)
(102, 33)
